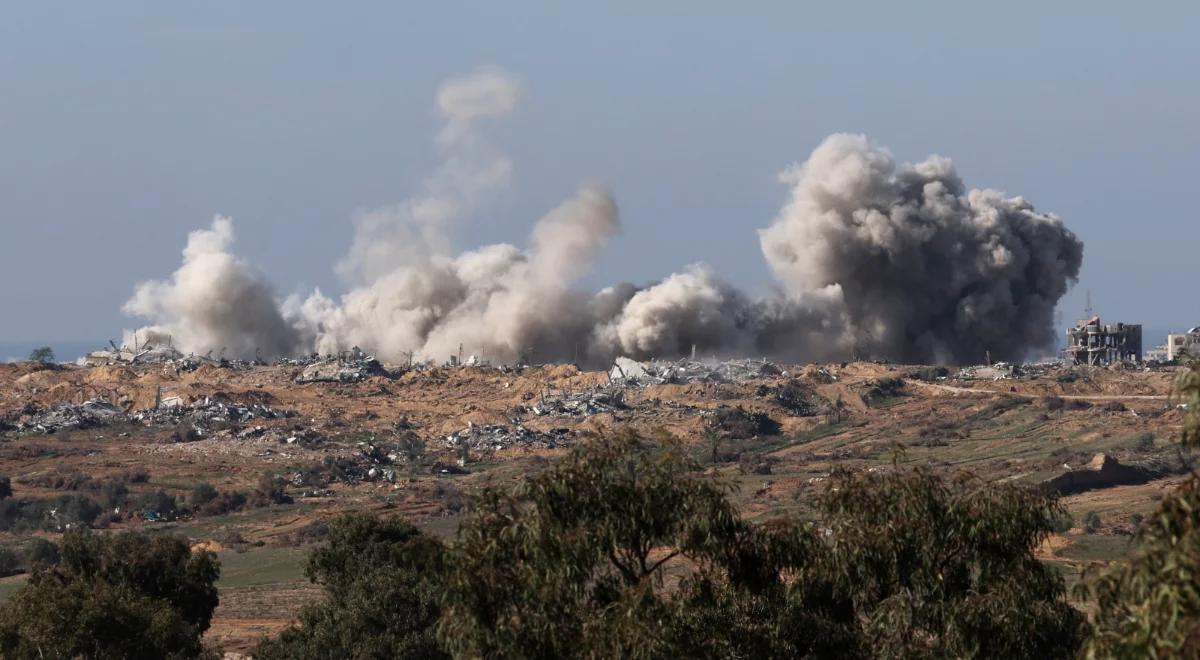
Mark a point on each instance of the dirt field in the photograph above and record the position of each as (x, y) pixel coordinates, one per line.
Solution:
(381, 445)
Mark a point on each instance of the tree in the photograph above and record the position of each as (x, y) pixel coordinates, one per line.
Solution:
(626, 549)
(1149, 607)
(938, 568)
(40, 551)
(42, 355)
(115, 596)
(381, 595)
(576, 563)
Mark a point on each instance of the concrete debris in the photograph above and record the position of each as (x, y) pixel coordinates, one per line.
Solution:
(998, 371)
(1006, 371)
(632, 372)
(794, 396)
(592, 401)
(350, 367)
(494, 436)
(126, 355)
(209, 412)
(89, 414)
(166, 356)
(740, 424)
(305, 437)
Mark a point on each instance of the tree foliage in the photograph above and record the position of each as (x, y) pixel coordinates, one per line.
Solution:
(625, 549)
(1149, 607)
(946, 569)
(113, 596)
(381, 597)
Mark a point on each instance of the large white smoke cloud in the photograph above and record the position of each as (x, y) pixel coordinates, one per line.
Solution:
(215, 302)
(871, 260)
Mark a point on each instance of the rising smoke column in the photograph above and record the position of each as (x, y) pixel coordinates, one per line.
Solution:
(928, 271)
(497, 301)
(470, 168)
(214, 302)
(416, 298)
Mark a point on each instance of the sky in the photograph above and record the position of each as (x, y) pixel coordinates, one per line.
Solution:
(125, 125)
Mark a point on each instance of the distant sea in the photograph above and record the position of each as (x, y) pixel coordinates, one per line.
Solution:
(64, 351)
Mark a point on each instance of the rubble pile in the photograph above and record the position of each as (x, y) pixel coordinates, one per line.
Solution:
(793, 396)
(684, 371)
(166, 356)
(350, 367)
(86, 415)
(126, 355)
(592, 401)
(998, 371)
(208, 412)
(495, 436)
(305, 437)
(740, 424)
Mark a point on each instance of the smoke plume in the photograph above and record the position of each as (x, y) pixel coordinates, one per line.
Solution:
(928, 271)
(871, 260)
(214, 302)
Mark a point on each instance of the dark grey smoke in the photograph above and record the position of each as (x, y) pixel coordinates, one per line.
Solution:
(928, 271)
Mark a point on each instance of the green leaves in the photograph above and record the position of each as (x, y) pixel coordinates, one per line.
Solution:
(1149, 607)
(381, 580)
(625, 549)
(116, 596)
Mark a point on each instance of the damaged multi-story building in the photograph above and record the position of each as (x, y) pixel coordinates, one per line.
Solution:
(1187, 343)
(1093, 343)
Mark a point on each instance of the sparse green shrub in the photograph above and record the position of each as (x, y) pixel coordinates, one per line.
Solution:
(1063, 522)
(55, 514)
(40, 551)
(10, 562)
(270, 489)
(224, 503)
(113, 493)
(202, 494)
(1091, 522)
(158, 505)
(1145, 442)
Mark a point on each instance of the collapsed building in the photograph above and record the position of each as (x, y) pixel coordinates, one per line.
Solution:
(1093, 343)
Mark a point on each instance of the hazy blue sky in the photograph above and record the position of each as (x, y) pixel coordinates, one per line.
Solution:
(123, 125)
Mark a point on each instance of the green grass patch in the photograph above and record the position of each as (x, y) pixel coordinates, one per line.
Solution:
(261, 566)
(1097, 547)
(10, 585)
